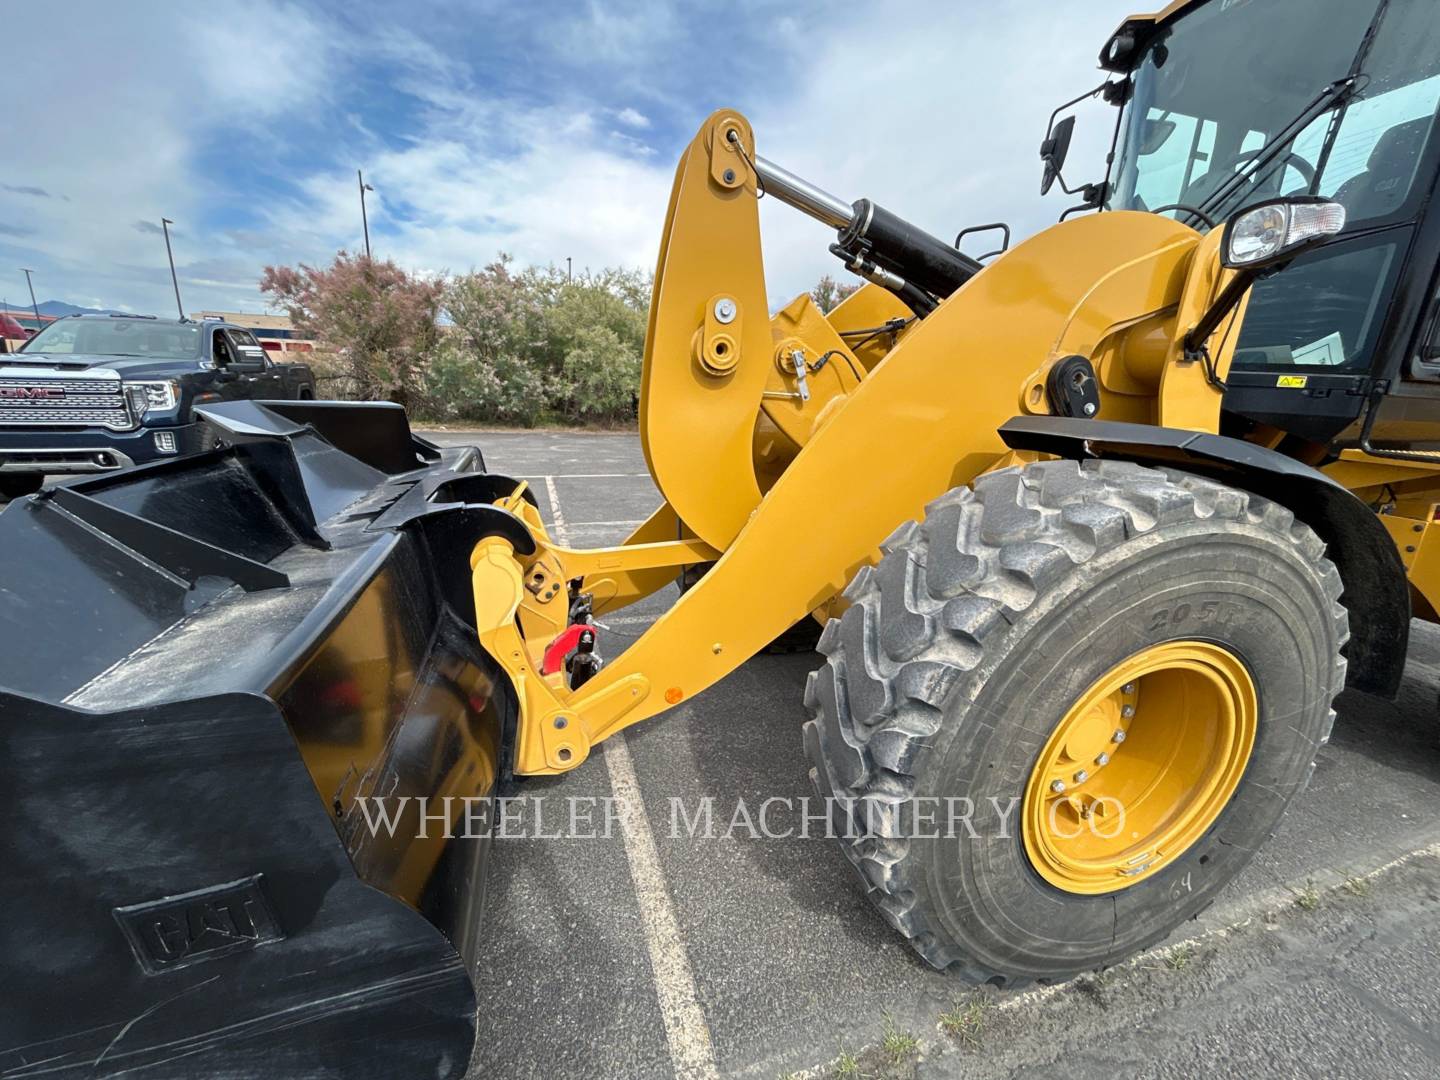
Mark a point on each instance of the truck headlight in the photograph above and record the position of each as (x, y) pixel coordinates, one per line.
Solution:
(158, 396)
(1273, 231)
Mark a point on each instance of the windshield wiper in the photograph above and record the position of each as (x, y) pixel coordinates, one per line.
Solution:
(1329, 97)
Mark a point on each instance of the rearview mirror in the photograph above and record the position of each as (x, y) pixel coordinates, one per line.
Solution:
(1054, 150)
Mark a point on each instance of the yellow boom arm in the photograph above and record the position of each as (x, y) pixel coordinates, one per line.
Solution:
(864, 454)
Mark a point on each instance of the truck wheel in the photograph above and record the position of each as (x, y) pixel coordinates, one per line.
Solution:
(1063, 712)
(16, 485)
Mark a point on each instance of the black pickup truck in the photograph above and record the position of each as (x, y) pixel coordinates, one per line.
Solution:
(91, 393)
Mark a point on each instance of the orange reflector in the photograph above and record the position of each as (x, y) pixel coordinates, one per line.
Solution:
(674, 694)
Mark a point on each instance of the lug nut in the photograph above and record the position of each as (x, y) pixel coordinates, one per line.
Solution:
(1128, 688)
(1103, 759)
(1058, 786)
(1118, 737)
(1128, 711)
(1081, 776)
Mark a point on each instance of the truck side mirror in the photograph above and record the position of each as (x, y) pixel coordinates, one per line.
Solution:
(1054, 150)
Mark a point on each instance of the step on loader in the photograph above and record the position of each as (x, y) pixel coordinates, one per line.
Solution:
(1096, 527)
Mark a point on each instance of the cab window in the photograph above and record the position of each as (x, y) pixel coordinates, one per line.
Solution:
(1326, 310)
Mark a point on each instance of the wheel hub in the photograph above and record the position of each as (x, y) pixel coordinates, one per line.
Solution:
(1140, 767)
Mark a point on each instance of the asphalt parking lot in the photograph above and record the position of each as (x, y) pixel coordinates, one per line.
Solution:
(647, 954)
(764, 957)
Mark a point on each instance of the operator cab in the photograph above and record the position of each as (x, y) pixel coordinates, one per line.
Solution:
(1343, 345)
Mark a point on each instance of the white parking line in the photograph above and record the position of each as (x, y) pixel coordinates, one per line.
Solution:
(584, 476)
(688, 1035)
(691, 1051)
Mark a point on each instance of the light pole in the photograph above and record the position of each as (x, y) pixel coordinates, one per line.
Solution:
(165, 224)
(364, 221)
(569, 270)
(33, 306)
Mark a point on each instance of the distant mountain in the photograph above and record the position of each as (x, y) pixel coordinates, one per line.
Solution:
(57, 308)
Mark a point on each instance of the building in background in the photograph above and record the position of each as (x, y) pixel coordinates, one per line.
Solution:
(27, 321)
(275, 333)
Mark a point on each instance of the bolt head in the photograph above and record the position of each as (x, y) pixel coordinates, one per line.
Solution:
(1081, 776)
(725, 310)
(1057, 786)
(1118, 737)
(729, 176)
(560, 722)
(1128, 711)
(1089, 408)
(1128, 688)
(1102, 759)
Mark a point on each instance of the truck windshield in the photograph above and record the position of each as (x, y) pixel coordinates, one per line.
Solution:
(1212, 90)
(118, 337)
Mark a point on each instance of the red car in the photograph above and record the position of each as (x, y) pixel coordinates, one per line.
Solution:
(11, 330)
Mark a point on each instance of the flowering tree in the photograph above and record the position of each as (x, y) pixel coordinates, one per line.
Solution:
(380, 321)
(828, 293)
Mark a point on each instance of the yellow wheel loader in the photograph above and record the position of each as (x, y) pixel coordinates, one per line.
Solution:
(1096, 528)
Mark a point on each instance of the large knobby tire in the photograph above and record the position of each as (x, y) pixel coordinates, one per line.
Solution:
(965, 647)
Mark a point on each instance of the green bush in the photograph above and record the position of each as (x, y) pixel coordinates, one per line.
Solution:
(537, 345)
(601, 376)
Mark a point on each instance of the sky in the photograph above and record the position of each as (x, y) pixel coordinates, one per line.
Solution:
(540, 129)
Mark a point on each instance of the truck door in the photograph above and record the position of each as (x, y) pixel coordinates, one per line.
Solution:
(261, 379)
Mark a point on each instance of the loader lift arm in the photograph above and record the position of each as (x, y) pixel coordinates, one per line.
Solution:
(873, 454)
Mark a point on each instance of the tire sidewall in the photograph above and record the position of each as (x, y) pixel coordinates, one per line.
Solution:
(1243, 588)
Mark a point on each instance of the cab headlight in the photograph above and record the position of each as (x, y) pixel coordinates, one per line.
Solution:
(157, 396)
(1261, 235)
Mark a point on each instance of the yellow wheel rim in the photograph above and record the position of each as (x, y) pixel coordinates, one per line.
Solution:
(1140, 767)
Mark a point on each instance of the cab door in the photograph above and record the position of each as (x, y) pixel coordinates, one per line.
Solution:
(1326, 348)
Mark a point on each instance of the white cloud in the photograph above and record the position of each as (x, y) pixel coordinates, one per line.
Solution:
(936, 129)
(941, 126)
(935, 110)
(111, 122)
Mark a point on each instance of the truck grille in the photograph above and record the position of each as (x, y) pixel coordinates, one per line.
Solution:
(88, 402)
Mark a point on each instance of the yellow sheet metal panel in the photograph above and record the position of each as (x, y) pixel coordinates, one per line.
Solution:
(867, 308)
(1188, 398)
(801, 326)
(1133, 294)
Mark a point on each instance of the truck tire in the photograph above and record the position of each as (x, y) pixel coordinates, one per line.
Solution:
(986, 658)
(17, 485)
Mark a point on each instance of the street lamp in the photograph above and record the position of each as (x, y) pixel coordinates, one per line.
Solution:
(364, 221)
(569, 270)
(33, 306)
(165, 224)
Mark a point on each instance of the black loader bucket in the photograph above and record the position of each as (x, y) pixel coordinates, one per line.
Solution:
(207, 666)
